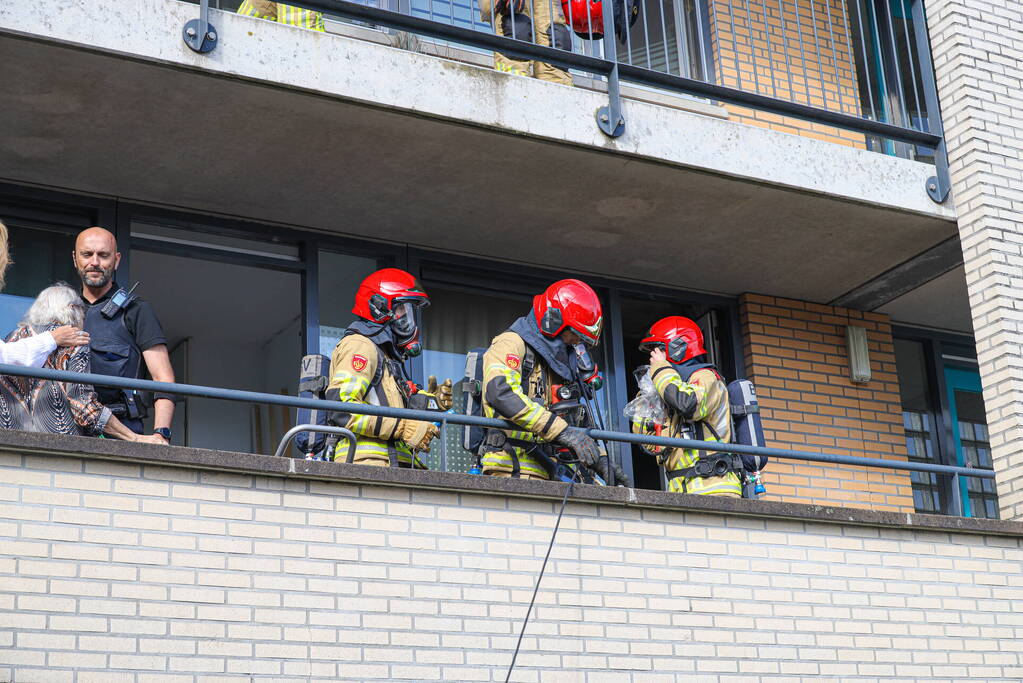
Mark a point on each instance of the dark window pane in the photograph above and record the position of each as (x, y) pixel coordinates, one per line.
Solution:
(976, 452)
(915, 390)
(460, 321)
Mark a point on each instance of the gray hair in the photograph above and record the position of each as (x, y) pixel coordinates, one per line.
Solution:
(5, 255)
(58, 304)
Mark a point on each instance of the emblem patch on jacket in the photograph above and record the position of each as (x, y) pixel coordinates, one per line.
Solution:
(359, 363)
(512, 361)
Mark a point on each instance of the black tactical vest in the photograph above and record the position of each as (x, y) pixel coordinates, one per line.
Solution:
(114, 351)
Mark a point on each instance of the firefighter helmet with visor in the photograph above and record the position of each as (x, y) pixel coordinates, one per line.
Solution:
(569, 304)
(393, 296)
(680, 338)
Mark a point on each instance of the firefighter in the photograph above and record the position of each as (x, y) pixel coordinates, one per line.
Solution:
(540, 21)
(367, 366)
(697, 404)
(282, 14)
(540, 350)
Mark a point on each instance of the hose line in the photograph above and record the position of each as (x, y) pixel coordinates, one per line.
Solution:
(543, 567)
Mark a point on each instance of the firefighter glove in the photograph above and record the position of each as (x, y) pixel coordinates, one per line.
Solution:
(417, 435)
(621, 478)
(582, 446)
(443, 393)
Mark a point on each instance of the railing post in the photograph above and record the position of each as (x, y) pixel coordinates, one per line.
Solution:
(957, 496)
(199, 34)
(938, 185)
(610, 118)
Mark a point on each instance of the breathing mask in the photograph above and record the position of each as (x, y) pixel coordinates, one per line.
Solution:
(405, 324)
(587, 367)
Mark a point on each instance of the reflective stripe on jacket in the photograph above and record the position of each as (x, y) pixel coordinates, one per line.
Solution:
(353, 365)
(702, 402)
(283, 14)
(503, 397)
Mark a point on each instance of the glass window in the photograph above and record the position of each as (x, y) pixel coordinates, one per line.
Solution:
(456, 322)
(41, 257)
(888, 73)
(204, 237)
(918, 421)
(340, 276)
(668, 36)
(973, 435)
(228, 323)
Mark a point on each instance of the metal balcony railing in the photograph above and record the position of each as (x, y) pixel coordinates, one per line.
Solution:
(855, 65)
(446, 418)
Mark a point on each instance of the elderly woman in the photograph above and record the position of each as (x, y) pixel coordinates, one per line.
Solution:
(33, 351)
(58, 407)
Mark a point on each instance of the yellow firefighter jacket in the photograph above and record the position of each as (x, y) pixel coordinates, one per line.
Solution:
(283, 14)
(700, 402)
(354, 364)
(504, 397)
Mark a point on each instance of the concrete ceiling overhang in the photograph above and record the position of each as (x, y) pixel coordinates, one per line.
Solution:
(941, 303)
(157, 133)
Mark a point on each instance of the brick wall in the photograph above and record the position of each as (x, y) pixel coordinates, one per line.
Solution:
(113, 571)
(798, 51)
(978, 62)
(796, 355)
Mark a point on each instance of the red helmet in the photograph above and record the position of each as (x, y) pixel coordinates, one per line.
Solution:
(572, 304)
(680, 338)
(380, 292)
(586, 17)
(393, 296)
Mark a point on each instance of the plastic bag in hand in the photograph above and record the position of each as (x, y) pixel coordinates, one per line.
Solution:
(648, 405)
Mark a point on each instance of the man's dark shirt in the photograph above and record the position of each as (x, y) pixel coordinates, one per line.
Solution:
(139, 318)
(141, 324)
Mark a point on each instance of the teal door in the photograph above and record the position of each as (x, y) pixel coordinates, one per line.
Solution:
(970, 435)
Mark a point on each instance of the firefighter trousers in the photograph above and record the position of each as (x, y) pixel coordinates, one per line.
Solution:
(540, 21)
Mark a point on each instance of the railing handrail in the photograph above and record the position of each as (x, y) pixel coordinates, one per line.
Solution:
(603, 66)
(239, 395)
(346, 434)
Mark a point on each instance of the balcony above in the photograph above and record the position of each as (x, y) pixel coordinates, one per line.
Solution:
(333, 133)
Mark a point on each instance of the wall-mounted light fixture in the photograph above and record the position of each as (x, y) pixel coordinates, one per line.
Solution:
(859, 355)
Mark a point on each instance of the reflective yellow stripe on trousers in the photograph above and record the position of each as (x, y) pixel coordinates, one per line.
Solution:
(502, 460)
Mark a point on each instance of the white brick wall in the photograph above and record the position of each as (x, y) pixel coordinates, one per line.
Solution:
(120, 572)
(978, 48)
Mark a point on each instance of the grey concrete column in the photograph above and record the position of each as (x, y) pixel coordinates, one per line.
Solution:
(978, 60)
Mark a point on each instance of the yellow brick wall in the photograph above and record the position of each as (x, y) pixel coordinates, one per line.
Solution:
(796, 356)
(797, 50)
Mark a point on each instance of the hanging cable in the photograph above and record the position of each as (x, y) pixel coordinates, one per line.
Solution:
(539, 578)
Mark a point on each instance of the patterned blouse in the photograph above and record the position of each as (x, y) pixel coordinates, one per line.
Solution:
(38, 405)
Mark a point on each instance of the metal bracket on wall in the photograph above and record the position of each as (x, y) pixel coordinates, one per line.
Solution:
(937, 189)
(605, 115)
(199, 34)
(609, 118)
(939, 184)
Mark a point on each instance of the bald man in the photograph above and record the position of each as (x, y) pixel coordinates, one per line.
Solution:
(123, 337)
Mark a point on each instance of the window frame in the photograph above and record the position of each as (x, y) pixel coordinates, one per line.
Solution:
(936, 344)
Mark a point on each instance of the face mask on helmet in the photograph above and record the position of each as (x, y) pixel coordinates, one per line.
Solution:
(588, 370)
(405, 322)
(675, 350)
